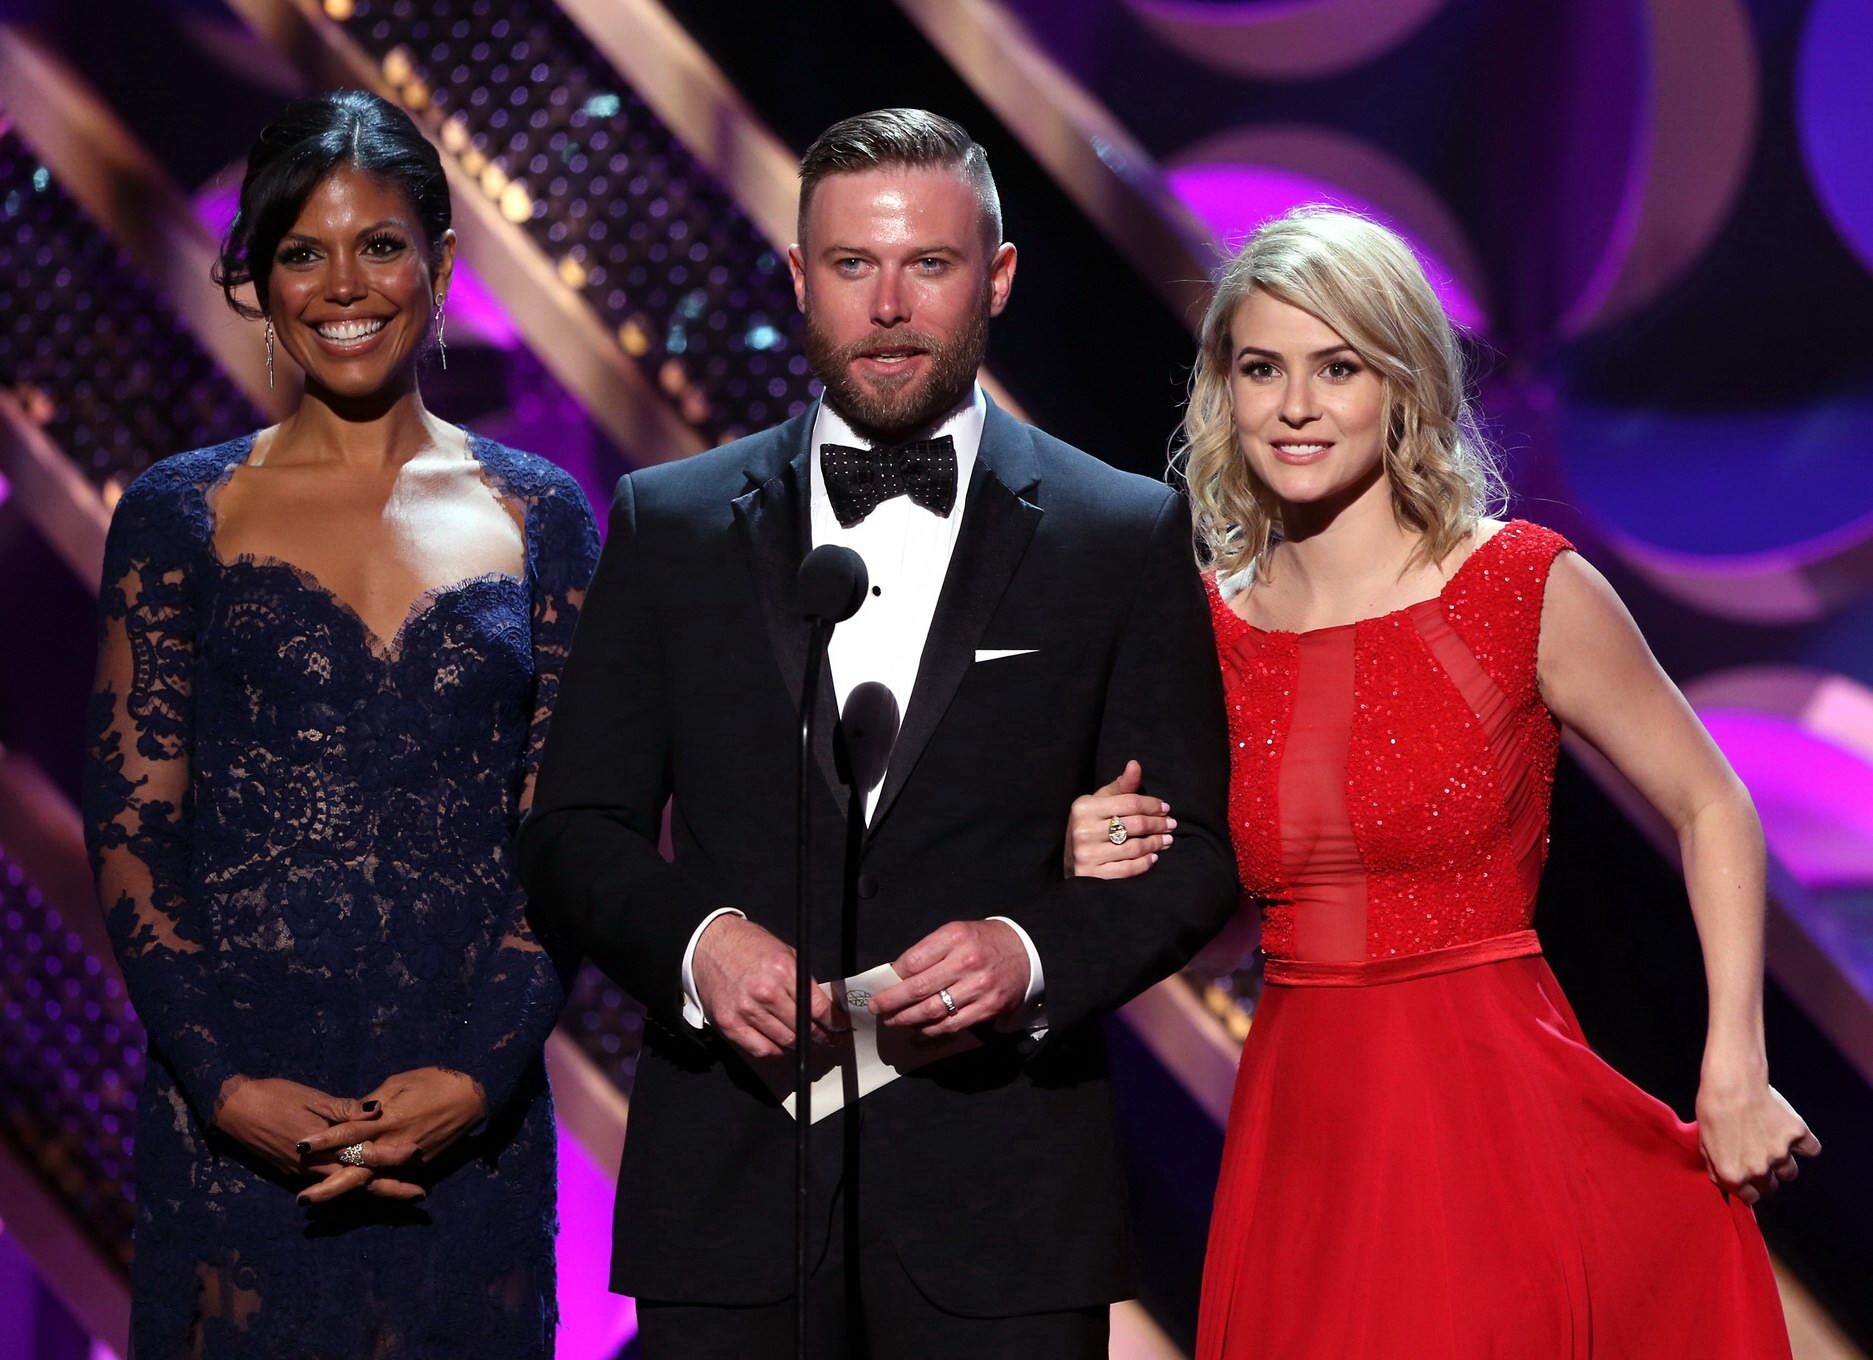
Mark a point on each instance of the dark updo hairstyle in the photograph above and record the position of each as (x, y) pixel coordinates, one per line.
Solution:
(307, 142)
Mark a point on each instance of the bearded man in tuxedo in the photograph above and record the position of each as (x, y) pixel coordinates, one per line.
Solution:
(1039, 620)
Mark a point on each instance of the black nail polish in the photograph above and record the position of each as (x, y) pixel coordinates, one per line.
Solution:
(370, 1107)
(304, 1147)
(303, 1201)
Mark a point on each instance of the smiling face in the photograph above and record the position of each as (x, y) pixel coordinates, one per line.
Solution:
(898, 278)
(1309, 412)
(350, 291)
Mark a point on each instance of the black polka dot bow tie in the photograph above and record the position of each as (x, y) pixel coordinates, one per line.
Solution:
(858, 481)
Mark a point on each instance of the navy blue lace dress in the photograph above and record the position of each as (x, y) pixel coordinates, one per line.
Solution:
(300, 832)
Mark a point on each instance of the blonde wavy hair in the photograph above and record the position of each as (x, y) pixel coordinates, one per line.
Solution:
(1363, 281)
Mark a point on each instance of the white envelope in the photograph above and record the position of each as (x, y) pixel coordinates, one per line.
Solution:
(997, 653)
(862, 1059)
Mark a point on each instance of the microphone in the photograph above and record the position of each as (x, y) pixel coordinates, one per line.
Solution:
(867, 731)
(831, 585)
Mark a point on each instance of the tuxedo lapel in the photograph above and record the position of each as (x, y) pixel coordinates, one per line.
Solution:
(775, 521)
(999, 520)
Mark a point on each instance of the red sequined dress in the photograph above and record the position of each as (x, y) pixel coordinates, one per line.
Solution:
(1424, 1158)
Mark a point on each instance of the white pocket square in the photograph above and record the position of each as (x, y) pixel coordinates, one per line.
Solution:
(997, 653)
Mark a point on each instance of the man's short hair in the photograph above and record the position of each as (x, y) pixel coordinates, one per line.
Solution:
(899, 138)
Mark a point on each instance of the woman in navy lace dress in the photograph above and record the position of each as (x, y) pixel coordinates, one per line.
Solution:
(329, 654)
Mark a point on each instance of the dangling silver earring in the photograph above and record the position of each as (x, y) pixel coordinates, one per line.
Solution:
(269, 351)
(442, 350)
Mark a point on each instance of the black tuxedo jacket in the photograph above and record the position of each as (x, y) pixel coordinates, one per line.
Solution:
(997, 1168)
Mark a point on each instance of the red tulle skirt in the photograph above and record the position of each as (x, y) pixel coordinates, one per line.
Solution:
(1425, 1159)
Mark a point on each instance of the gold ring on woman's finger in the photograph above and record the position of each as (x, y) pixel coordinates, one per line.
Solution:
(1116, 832)
(352, 1156)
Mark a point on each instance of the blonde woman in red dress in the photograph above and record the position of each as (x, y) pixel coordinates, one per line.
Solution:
(1424, 1158)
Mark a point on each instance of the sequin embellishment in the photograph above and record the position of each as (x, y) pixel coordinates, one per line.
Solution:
(1450, 762)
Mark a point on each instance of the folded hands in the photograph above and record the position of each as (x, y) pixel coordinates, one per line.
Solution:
(378, 1143)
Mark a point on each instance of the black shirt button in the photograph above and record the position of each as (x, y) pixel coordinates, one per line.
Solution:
(867, 886)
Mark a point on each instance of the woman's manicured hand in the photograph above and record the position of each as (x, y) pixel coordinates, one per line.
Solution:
(271, 1116)
(418, 1115)
(1147, 821)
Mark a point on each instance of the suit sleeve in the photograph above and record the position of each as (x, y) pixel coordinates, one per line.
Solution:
(588, 848)
(1102, 942)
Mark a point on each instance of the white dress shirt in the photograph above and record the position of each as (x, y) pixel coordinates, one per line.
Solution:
(906, 550)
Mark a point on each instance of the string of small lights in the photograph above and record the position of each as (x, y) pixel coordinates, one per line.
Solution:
(607, 1025)
(120, 381)
(72, 1051)
(99, 359)
(1232, 997)
(631, 220)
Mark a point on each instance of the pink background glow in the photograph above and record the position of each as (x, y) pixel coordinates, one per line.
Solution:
(1816, 798)
(594, 1323)
(1232, 200)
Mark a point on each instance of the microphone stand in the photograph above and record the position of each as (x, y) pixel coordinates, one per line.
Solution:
(817, 641)
(830, 588)
(868, 727)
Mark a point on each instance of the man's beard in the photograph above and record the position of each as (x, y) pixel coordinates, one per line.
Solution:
(883, 410)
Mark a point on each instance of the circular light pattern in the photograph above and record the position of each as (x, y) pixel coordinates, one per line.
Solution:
(1803, 742)
(1284, 39)
(1834, 108)
(1758, 515)
(1236, 181)
(1699, 121)
(1661, 117)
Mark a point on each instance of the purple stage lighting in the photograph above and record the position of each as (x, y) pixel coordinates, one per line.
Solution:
(72, 1052)
(124, 381)
(1815, 795)
(1764, 515)
(1284, 39)
(664, 256)
(1236, 180)
(1834, 103)
(594, 1323)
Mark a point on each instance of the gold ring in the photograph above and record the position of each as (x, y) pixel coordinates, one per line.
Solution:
(1116, 832)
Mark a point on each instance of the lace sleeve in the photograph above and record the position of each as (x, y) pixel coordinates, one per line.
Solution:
(519, 996)
(137, 798)
(568, 555)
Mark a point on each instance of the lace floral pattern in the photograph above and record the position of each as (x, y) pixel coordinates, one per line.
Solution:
(300, 833)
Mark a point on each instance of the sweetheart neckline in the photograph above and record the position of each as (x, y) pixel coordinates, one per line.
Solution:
(388, 650)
